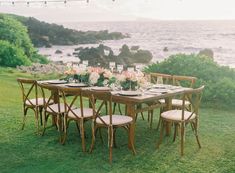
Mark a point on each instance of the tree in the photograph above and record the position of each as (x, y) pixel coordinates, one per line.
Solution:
(14, 32)
(11, 56)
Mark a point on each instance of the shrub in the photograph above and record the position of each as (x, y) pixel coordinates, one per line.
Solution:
(219, 80)
(14, 32)
(11, 56)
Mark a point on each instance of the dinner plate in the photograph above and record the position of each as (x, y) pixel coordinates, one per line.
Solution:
(101, 88)
(130, 93)
(57, 81)
(154, 90)
(162, 86)
(77, 85)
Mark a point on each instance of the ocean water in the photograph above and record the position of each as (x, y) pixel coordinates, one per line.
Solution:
(178, 36)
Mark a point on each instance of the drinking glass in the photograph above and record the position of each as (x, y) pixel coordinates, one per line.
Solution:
(159, 80)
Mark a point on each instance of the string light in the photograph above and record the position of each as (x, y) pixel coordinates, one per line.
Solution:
(40, 1)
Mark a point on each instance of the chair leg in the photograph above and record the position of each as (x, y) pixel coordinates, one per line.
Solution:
(45, 117)
(151, 119)
(196, 134)
(182, 136)
(24, 118)
(36, 112)
(78, 128)
(132, 142)
(110, 140)
(159, 122)
(114, 138)
(82, 135)
(65, 131)
(161, 134)
(93, 138)
(40, 113)
(175, 132)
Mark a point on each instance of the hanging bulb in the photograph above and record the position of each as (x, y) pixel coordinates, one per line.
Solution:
(87, 1)
(28, 4)
(45, 3)
(13, 3)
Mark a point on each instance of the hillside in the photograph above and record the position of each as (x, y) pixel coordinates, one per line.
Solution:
(45, 34)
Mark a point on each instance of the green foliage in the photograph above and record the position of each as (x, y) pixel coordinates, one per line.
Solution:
(45, 34)
(14, 32)
(37, 58)
(219, 80)
(11, 56)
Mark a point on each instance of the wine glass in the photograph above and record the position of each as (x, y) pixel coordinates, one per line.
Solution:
(159, 80)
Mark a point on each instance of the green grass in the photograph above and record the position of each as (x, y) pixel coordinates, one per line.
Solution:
(23, 151)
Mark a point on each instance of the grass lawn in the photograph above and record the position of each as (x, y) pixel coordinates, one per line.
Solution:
(23, 151)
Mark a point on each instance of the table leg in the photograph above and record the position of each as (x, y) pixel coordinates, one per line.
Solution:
(131, 136)
(168, 102)
(56, 98)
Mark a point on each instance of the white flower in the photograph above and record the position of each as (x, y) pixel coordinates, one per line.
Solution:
(107, 74)
(121, 77)
(80, 71)
(133, 77)
(105, 82)
(94, 76)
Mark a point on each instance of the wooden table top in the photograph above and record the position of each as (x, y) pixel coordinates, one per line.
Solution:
(143, 97)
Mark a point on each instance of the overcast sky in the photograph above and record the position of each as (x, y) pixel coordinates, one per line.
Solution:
(120, 10)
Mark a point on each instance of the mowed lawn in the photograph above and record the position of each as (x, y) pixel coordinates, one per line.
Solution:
(24, 151)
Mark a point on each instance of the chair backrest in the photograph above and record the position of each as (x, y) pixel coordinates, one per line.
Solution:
(71, 98)
(186, 81)
(101, 98)
(166, 78)
(49, 93)
(29, 89)
(194, 97)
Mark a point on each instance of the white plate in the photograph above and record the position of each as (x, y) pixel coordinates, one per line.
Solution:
(158, 90)
(101, 88)
(77, 85)
(57, 81)
(130, 93)
(161, 86)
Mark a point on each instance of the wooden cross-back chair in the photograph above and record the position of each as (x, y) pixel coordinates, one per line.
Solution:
(184, 81)
(75, 111)
(31, 100)
(110, 121)
(166, 78)
(52, 107)
(183, 117)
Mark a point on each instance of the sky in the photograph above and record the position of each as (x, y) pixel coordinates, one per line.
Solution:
(124, 10)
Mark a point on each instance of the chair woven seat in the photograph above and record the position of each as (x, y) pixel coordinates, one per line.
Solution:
(176, 115)
(33, 102)
(87, 112)
(55, 108)
(116, 119)
(176, 102)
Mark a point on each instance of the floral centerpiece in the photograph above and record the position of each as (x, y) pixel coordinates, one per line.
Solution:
(96, 76)
(131, 80)
(100, 77)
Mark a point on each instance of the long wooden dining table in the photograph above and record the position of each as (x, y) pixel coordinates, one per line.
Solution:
(147, 98)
